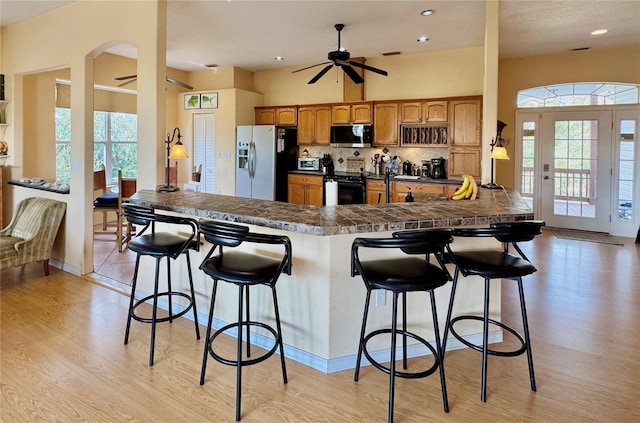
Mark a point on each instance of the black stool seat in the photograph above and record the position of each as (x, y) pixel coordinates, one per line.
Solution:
(240, 267)
(159, 245)
(492, 264)
(404, 274)
(400, 275)
(244, 270)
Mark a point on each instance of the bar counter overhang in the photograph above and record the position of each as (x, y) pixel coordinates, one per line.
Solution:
(320, 303)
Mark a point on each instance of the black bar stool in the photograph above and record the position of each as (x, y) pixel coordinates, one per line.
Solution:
(159, 245)
(244, 270)
(401, 275)
(495, 264)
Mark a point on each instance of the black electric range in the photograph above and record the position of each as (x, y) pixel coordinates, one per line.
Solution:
(351, 187)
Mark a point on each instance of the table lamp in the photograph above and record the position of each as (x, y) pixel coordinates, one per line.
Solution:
(178, 151)
(498, 152)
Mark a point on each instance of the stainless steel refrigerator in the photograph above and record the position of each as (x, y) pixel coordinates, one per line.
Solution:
(264, 156)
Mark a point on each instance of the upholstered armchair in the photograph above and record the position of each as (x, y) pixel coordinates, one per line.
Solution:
(31, 233)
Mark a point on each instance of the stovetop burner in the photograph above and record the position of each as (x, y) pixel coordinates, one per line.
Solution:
(347, 176)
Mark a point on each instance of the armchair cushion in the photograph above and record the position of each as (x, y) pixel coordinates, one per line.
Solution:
(31, 232)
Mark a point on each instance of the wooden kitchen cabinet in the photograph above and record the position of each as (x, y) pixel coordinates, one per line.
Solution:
(351, 113)
(465, 160)
(401, 188)
(423, 111)
(314, 125)
(305, 189)
(464, 122)
(283, 116)
(376, 189)
(385, 124)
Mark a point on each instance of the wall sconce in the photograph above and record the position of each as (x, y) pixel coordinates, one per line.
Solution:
(178, 151)
(498, 152)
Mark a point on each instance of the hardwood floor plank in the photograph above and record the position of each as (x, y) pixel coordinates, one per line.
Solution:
(62, 357)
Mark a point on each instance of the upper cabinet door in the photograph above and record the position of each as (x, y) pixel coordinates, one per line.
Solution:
(341, 114)
(464, 118)
(435, 111)
(361, 113)
(411, 112)
(286, 116)
(265, 116)
(322, 117)
(385, 124)
(306, 125)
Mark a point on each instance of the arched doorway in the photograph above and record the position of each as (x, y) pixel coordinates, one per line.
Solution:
(578, 154)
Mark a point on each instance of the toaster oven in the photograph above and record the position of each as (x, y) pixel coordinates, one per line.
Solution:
(308, 163)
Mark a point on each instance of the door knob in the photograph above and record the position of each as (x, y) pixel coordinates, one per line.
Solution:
(545, 177)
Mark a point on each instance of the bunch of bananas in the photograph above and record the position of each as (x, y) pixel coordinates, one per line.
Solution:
(468, 190)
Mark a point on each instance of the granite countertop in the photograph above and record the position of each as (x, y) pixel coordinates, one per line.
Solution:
(491, 206)
(381, 178)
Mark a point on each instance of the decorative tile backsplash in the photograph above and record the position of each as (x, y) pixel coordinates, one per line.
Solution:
(414, 155)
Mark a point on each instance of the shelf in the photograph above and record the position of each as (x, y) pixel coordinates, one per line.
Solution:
(424, 135)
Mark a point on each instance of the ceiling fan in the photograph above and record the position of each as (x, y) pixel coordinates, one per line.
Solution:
(128, 79)
(340, 58)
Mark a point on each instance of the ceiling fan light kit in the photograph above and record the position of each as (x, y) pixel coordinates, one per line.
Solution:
(341, 58)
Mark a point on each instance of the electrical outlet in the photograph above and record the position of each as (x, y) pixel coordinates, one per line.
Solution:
(381, 297)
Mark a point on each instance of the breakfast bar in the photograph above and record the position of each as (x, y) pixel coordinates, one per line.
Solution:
(320, 303)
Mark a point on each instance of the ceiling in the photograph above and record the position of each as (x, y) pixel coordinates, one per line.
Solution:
(250, 34)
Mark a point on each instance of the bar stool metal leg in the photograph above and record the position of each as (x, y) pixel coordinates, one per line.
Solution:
(193, 296)
(154, 313)
(404, 329)
(525, 324)
(436, 329)
(131, 301)
(239, 352)
(485, 340)
(207, 339)
(449, 311)
(362, 334)
(392, 363)
(279, 329)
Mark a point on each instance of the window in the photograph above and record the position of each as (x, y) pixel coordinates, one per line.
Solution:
(626, 170)
(115, 137)
(579, 94)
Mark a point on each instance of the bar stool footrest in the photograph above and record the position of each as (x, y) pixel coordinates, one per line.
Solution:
(512, 353)
(387, 370)
(247, 362)
(161, 319)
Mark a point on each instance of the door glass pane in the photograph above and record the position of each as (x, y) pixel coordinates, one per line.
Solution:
(574, 170)
(626, 167)
(528, 161)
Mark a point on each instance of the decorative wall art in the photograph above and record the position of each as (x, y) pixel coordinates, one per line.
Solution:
(209, 101)
(191, 101)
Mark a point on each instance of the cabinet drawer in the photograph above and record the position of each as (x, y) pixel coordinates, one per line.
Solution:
(305, 180)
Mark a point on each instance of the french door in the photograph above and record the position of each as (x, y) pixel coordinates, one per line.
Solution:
(576, 170)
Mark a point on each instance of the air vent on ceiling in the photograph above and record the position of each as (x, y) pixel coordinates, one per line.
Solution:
(392, 53)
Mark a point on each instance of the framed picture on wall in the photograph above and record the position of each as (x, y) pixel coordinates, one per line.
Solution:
(191, 101)
(209, 101)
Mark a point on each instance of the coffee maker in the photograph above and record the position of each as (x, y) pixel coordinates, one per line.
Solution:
(438, 168)
(326, 164)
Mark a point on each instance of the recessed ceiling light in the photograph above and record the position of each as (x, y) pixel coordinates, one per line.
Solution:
(211, 65)
(279, 58)
(599, 31)
(423, 39)
(427, 12)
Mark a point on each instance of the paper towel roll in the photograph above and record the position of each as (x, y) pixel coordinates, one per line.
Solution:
(331, 193)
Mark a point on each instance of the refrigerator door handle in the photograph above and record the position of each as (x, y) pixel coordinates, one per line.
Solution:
(252, 159)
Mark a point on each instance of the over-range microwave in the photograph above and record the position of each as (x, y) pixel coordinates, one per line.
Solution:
(351, 135)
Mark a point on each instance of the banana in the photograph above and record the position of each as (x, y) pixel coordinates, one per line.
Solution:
(474, 186)
(464, 187)
(469, 190)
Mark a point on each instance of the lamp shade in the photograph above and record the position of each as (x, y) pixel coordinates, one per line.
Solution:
(178, 151)
(499, 153)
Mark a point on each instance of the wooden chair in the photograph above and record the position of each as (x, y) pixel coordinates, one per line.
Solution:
(112, 202)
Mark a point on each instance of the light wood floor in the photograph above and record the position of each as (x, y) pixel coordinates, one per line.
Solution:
(63, 360)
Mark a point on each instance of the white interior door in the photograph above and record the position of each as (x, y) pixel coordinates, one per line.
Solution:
(204, 150)
(576, 168)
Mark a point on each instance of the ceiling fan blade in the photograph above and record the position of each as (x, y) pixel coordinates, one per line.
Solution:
(128, 82)
(309, 67)
(176, 82)
(122, 78)
(320, 74)
(369, 68)
(352, 74)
